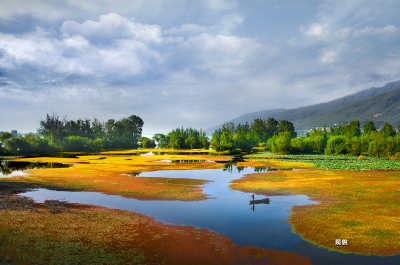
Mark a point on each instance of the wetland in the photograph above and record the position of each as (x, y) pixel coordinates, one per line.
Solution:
(263, 209)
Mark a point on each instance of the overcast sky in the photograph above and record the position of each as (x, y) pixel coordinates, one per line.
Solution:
(188, 63)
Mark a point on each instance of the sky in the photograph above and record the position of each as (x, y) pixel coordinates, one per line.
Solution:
(188, 63)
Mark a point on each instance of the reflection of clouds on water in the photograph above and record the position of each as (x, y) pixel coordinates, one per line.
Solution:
(13, 174)
(9, 169)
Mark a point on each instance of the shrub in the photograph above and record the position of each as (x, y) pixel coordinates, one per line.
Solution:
(361, 157)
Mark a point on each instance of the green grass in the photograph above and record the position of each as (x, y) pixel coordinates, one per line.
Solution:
(334, 162)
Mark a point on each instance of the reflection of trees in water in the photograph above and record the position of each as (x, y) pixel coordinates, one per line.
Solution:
(7, 167)
(230, 165)
(260, 169)
(134, 174)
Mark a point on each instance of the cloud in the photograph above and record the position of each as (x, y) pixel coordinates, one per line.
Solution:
(56, 58)
(112, 26)
(314, 30)
(225, 54)
(181, 62)
(327, 55)
(185, 28)
(385, 32)
(229, 23)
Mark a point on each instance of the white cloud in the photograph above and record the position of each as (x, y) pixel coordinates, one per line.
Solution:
(385, 32)
(327, 55)
(226, 54)
(229, 23)
(314, 30)
(185, 28)
(393, 54)
(112, 26)
(60, 57)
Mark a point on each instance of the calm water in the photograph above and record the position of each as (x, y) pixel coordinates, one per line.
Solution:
(18, 168)
(229, 212)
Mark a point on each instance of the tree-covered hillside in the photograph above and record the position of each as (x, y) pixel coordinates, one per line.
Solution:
(362, 105)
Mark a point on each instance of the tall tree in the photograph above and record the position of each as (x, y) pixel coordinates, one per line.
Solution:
(387, 130)
(272, 127)
(259, 131)
(98, 129)
(52, 128)
(369, 127)
(287, 126)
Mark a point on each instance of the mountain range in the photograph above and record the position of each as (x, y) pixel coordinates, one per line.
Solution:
(377, 104)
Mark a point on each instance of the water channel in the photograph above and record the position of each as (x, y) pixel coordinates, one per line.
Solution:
(258, 222)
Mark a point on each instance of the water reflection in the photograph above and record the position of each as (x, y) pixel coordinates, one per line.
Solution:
(262, 201)
(134, 174)
(8, 167)
(226, 212)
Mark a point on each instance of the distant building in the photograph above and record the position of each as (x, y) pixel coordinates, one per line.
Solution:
(377, 115)
(14, 133)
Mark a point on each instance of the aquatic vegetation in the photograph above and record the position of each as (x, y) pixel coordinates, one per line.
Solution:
(362, 207)
(332, 162)
(109, 174)
(57, 232)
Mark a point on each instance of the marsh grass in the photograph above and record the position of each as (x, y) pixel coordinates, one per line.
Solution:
(114, 174)
(95, 235)
(332, 162)
(362, 207)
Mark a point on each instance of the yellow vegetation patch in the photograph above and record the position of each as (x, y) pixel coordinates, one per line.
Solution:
(109, 174)
(276, 164)
(80, 234)
(362, 207)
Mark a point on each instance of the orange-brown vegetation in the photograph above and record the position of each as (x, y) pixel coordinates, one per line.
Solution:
(109, 174)
(58, 232)
(362, 207)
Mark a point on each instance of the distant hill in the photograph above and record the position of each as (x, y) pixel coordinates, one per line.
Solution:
(379, 104)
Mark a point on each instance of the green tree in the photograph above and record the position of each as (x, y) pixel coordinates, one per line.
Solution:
(387, 131)
(75, 144)
(272, 127)
(160, 139)
(52, 128)
(287, 126)
(98, 145)
(192, 142)
(5, 136)
(353, 129)
(336, 145)
(282, 143)
(259, 131)
(369, 127)
(98, 129)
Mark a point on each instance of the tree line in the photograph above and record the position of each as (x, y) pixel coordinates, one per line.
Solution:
(344, 139)
(281, 137)
(179, 138)
(55, 134)
(234, 139)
